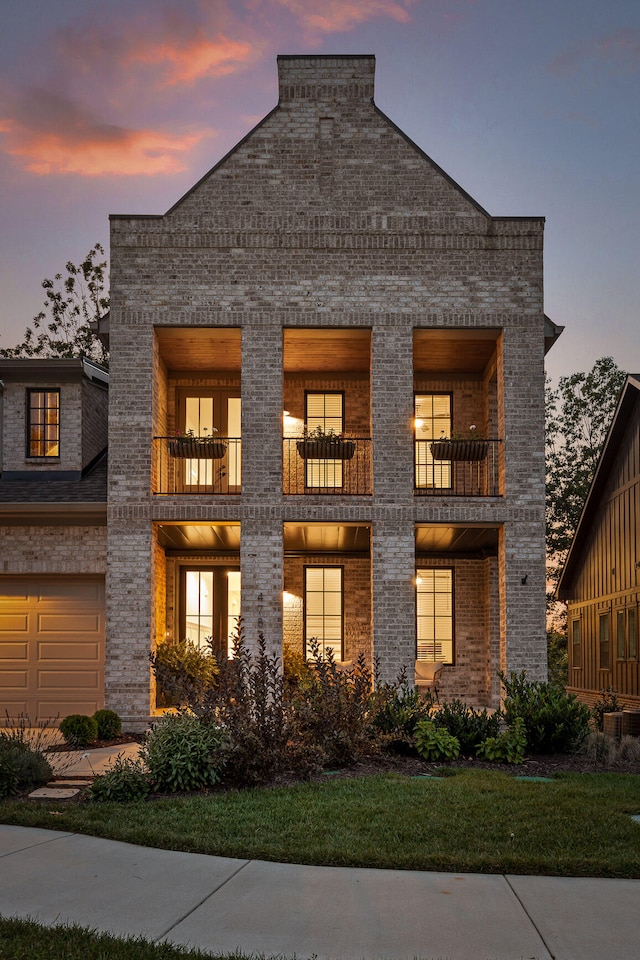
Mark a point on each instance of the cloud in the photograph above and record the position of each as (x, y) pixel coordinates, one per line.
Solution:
(619, 51)
(49, 134)
(191, 60)
(337, 16)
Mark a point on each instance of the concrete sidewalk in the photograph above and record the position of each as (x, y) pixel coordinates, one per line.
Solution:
(224, 905)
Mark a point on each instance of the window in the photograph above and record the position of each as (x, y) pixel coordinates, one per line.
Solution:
(632, 633)
(325, 412)
(576, 643)
(620, 634)
(210, 607)
(216, 413)
(434, 611)
(323, 603)
(432, 421)
(604, 638)
(43, 423)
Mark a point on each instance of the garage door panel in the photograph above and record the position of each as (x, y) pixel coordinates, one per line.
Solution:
(13, 623)
(68, 679)
(11, 679)
(13, 650)
(51, 646)
(52, 651)
(65, 624)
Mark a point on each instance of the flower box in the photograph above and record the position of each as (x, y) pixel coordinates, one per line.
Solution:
(334, 448)
(194, 448)
(464, 451)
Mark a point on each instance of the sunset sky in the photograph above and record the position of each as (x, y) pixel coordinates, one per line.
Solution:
(532, 106)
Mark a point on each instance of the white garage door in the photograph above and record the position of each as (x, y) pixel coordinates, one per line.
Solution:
(51, 646)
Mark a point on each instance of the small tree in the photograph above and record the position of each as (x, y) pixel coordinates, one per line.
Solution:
(72, 302)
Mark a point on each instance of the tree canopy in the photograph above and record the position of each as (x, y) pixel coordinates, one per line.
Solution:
(72, 302)
(578, 415)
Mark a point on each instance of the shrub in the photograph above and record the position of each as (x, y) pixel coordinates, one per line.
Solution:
(506, 747)
(23, 765)
(433, 743)
(397, 709)
(184, 673)
(125, 781)
(555, 722)
(608, 703)
(629, 748)
(79, 730)
(599, 748)
(183, 752)
(109, 724)
(470, 727)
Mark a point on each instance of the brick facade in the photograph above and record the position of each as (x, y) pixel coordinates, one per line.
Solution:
(326, 217)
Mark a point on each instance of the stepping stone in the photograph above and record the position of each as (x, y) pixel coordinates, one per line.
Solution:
(54, 793)
(635, 817)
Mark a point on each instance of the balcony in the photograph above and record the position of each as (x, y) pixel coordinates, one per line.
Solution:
(469, 470)
(339, 468)
(196, 465)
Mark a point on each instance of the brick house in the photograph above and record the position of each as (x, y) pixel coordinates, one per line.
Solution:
(53, 536)
(326, 275)
(599, 580)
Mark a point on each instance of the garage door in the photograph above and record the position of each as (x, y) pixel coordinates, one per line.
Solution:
(51, 646)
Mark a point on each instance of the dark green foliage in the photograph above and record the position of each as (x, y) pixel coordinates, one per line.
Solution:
(507, 747)
(79, 730)
(555, 722)
(608, 703)
(557, 658)
(21, 766)
(109, 724)
(470, 727)
(183, 752)
(126, 781)
(184, 673)
(397, 709)
(433, 743)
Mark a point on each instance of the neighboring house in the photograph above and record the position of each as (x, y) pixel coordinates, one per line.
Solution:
(53, 513)
(327, 274)
(600, 581)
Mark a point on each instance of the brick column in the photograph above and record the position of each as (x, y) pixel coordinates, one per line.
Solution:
(523, 638)
(394, 597)
(261, 566)
(392, 412)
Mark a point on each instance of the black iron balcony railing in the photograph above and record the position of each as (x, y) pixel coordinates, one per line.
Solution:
(335, 466)
(458, 468)
(197, 465)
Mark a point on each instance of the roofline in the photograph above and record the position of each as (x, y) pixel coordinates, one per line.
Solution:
(55, 514)
(629, 396)
(64, 369)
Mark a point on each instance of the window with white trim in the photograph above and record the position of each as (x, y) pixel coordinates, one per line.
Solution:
(434, 614)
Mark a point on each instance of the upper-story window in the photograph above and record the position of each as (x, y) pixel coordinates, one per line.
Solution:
(43, 423)
(432, 421)
(324, 412)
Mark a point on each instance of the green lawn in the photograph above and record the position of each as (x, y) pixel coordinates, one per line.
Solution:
(25, 940)
(471, 820)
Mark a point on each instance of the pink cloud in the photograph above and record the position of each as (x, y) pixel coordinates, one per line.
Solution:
(48, 134)
(335, 16)
(620, 51)
(197, 57)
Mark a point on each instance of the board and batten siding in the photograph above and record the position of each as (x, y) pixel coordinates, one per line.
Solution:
(607, 580)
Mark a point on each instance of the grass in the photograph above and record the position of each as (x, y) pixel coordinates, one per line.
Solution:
(472, 820)
(26, 940)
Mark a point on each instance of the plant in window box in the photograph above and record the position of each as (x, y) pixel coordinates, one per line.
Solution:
(322, 444)
(469, 447)
(187, 446)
